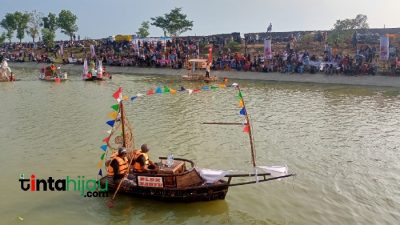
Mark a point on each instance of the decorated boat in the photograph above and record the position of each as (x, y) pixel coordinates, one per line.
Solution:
(95, 72)
(53, 74)
(5, 73)
(175, 179)
(199, 71)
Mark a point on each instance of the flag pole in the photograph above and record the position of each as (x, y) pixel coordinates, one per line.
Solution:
(253, 155)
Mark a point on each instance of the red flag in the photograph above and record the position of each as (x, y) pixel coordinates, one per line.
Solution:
(106, 140)
(118, 93)
(150, 92)
(246, 129)
(196, 90)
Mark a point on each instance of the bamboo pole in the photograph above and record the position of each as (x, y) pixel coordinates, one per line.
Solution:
(253, 156)
(223, 123)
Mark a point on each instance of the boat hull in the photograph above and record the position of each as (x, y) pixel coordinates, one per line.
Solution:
(204, 192)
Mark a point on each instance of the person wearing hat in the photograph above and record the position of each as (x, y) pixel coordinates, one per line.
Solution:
(118, 166)
(141, 159)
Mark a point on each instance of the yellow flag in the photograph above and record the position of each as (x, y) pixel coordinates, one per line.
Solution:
(221, 85)
(125, 98)
(172, 91)
(113, 115)
(99, 164)
(241, 104)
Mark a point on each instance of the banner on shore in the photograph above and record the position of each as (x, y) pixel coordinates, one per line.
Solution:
(384, 48)
(267, 49)
(92, 52)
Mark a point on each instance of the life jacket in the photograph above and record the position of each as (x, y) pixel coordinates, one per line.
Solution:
(122, 164)
(136, 166)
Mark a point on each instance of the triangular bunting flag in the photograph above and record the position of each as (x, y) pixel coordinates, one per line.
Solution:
(240, 94)
(172, 91)
(125, 98)
(166, 89)
(115, 107)
(133, 98)
(246, 129)
(113, 115)
(158, 90)
(213, 87)
(103, 147)
(206, 88)
(118, 93)
(99, 164)
(182, 89)
(111, 123)
(196, 91)
(102, 156)
(241, 103)
(221, 85)
(243, 111)
(139, 95)
(150, 92)
(109, 131)
(106, 139)
(100, 172)
(190, 91)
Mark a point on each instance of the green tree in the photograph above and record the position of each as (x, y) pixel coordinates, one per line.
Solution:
(3, 38)
(9, 24)
(343, 29)
(35, 22)
(21, 20)
(48, 37)
(144, 29)
(173, 23)
(67, 23)
(50, 22)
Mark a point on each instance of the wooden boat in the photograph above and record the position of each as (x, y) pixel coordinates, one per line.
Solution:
(196, 73)
(5, 73)
(178, 180)
(98, 74)
(53, 74)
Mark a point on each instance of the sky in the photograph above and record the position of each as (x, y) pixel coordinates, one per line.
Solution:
(103, 18)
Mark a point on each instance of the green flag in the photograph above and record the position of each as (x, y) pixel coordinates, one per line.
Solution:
(102, 156)
(213, 87)
(115, 107)
(166, 89)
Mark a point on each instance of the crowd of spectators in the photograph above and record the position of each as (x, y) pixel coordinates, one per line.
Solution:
(174, 53)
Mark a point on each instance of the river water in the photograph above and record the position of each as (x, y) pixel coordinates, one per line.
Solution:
(343, 143)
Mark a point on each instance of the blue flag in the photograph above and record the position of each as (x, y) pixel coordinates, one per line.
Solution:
(243, 111)
(133, 98)
(158, 90)
(103, 147)
(205, 88)
(111, 123)
(100, 172)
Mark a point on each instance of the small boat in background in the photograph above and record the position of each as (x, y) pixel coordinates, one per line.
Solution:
(5, 73)
(98, 73)
(197, 73)
(53, 74)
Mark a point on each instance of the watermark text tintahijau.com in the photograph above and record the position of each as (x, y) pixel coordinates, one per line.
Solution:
(86, 187)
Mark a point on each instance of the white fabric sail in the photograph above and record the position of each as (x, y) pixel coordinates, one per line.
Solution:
(85, 69)
(100, 69)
